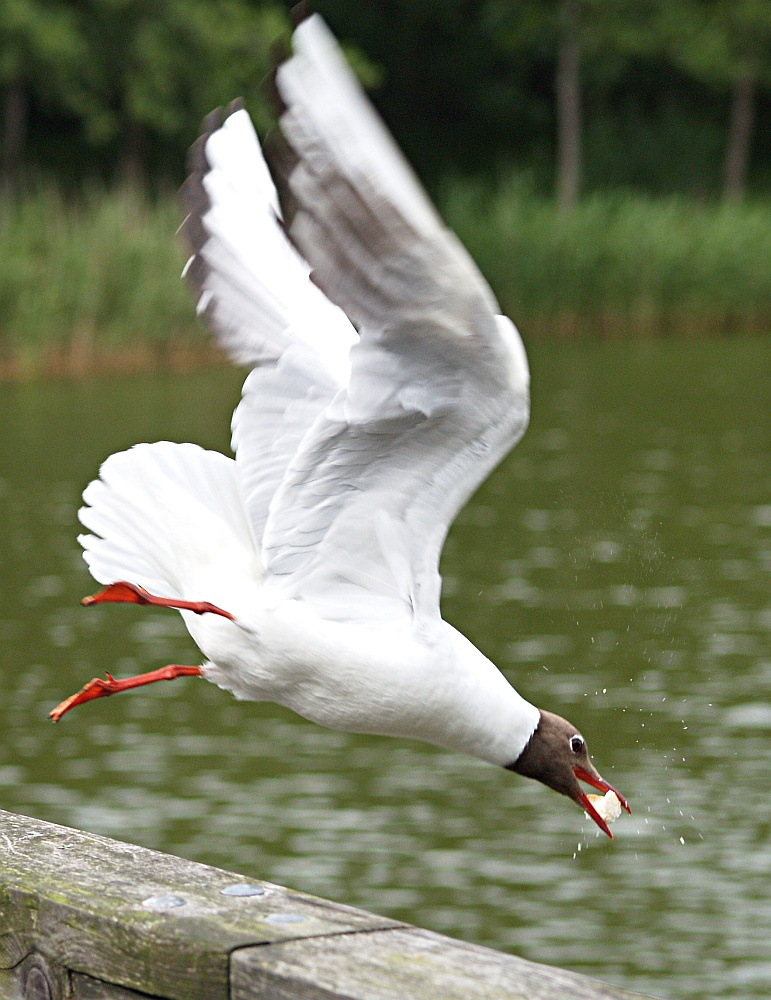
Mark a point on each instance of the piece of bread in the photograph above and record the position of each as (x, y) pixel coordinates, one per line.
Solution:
(607, 806)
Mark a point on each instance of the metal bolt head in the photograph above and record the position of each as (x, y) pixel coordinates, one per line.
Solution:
(162, 902)
(242, 889)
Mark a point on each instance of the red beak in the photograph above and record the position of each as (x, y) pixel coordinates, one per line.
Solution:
(583, 800)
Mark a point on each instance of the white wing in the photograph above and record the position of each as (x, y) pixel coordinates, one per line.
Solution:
(254, 291)
(438, 391)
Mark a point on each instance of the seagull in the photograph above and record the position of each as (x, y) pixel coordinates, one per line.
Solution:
(384, 387)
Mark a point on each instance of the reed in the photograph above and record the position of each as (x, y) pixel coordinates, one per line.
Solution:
(93, 283)
(619, 264)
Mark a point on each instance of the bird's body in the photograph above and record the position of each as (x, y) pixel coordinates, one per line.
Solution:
(432, 685)
(385, 386)
(401, 675)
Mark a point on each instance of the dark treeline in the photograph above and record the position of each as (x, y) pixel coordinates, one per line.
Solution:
(659, 95)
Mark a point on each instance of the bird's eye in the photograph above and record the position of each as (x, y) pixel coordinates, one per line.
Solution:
(576, 743)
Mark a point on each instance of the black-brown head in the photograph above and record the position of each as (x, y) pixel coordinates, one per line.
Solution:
(556, 754)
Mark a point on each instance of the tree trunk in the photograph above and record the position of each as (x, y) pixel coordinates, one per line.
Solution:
(132, 172)
(739, 136)
(568, 106)
(14, 134)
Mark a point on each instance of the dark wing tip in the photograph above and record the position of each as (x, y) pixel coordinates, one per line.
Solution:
(281, 160)
(300, 12)
(279, 155)
(196, 156)
(195, 197)
(269, 87)
(213, 121)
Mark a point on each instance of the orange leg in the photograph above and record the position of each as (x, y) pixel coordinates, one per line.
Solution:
(97, 688)
(131, 593)
(124, 592)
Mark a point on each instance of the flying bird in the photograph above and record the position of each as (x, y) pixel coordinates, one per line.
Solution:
(384, 387)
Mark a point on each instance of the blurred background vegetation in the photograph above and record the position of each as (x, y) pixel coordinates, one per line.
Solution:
(608, 162)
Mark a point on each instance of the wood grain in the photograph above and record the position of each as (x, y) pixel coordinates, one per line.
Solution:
(79, 899)
(402, 964)
(83, 917)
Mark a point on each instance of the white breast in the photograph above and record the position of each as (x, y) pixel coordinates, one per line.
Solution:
(432, 685)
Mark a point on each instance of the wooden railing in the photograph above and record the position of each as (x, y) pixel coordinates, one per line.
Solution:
(83, 916)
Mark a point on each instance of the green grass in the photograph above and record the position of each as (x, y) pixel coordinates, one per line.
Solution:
(94, 283)
(619, 264)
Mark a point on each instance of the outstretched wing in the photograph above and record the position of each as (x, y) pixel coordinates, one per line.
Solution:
(438, 390)
(253, 289)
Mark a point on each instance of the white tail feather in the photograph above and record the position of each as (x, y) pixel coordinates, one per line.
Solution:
(171, 518)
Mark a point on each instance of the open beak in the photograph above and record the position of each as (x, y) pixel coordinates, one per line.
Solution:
(599, 783)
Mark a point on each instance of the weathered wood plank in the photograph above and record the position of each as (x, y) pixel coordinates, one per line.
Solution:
(83, 917)
(34, 979)
(83, 900)
(14, 985)
(401, 964)
(87, 988)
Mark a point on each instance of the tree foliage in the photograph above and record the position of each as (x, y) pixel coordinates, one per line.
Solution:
(41, 49)
(665, 94)
(161, 65)
(40, 42)
(725, 43)
(132, 75)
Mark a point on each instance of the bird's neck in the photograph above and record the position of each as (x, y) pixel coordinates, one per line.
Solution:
(485, 716)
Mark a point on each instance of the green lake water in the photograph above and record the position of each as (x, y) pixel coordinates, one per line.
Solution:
(617, 567)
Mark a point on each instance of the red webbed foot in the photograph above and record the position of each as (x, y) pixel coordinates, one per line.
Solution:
(98, 688)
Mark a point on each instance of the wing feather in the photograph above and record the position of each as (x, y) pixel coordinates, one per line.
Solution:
(438, 390)
(253, 288)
